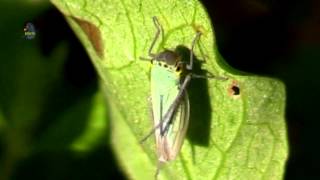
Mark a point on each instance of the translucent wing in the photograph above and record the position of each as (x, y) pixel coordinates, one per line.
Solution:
(170, 142)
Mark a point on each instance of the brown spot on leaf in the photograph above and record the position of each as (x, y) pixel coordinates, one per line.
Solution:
(93, 34)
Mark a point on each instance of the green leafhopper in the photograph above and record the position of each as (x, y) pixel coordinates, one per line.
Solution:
(170, 103)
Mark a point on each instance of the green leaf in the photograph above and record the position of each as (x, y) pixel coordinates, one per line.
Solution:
(231, 135)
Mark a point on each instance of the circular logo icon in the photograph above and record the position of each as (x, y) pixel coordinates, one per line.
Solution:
(29, 31)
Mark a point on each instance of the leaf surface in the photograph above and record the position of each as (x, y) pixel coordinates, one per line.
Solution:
(237, 128)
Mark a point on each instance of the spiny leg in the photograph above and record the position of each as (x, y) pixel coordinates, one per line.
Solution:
(190, 66)
(210, 76)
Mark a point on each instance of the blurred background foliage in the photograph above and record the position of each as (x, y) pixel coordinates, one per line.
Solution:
(53, 118)
(53, 122)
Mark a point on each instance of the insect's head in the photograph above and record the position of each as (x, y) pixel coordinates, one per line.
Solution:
(169, 59)
(167, 56)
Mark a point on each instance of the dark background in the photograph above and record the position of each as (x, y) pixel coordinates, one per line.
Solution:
(267, 37)
(279, 39)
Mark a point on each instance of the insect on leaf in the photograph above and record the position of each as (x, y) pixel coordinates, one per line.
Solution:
(231, 135)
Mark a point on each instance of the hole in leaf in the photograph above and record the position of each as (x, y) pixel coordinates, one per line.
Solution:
(234, 89)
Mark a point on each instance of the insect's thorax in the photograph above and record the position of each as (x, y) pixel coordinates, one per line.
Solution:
(164, 83)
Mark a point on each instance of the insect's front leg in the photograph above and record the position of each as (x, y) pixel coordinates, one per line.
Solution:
(156, 36)
(190, 65)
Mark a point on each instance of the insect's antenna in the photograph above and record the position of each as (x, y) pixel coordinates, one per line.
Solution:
(190, 66)
(159, 30)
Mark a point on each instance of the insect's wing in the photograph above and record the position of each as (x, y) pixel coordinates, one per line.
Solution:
(175, 128)
(179, 126)
(170, 112)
